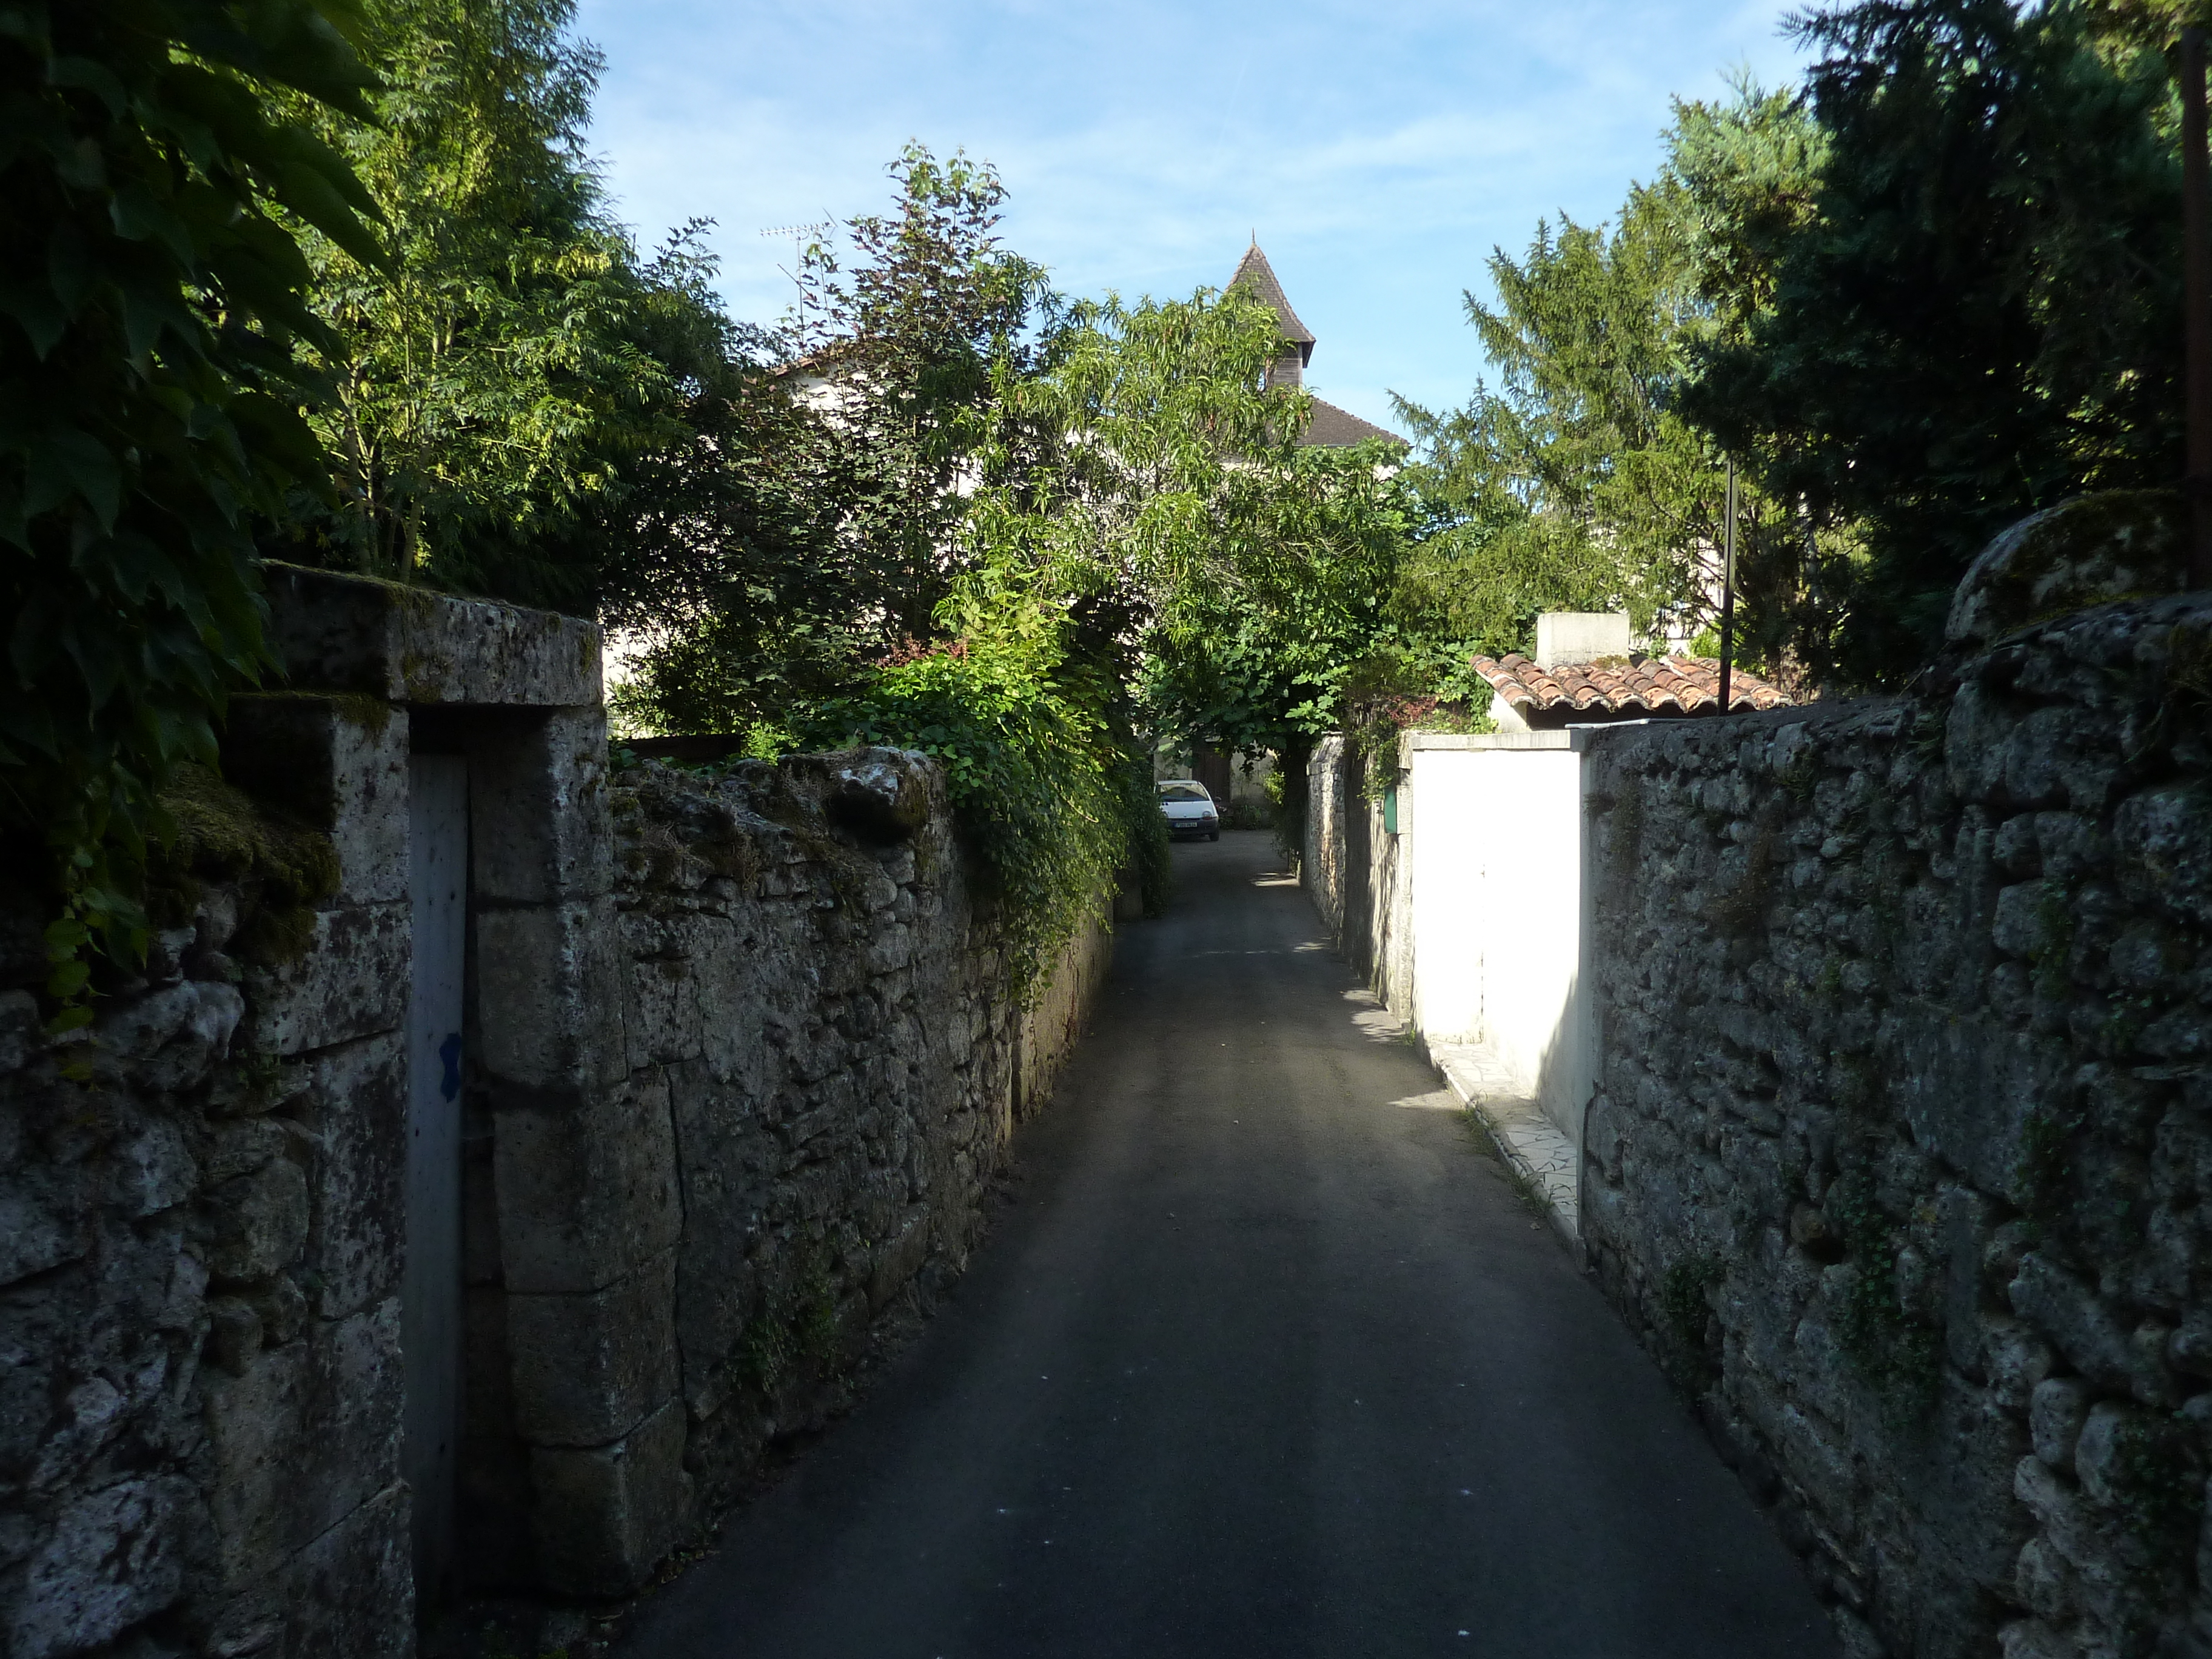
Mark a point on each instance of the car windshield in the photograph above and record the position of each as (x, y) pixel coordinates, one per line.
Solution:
(1185, 792)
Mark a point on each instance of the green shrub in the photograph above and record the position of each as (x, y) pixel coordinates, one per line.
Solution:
(1043, 791)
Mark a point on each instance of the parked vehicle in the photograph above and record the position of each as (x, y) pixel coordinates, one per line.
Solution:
(1190, 809)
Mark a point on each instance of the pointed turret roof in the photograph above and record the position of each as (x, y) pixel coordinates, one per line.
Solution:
(1254, 272)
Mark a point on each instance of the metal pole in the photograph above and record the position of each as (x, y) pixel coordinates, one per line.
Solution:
(1728, 590)
(2197, 292)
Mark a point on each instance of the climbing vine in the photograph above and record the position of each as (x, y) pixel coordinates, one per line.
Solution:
(151, 306)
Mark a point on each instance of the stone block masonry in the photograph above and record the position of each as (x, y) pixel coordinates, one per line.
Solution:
(738, 1062)
(1901, 1150)
(817, 1003)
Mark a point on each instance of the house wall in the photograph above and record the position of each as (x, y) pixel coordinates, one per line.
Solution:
(1902, 1155)
(1500, 900)
(732, 1081)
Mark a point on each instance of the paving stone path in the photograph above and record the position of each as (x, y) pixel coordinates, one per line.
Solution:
(1268, 1359)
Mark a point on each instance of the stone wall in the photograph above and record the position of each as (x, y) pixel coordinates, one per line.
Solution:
(199, 1266)
(739, 1058)
(1351, 868)
(1901, 1154)
(817, 1003)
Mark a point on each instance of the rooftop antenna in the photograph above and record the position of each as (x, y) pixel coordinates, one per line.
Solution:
(800, 236)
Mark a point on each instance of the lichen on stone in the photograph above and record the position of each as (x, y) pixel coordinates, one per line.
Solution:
(2093, 550)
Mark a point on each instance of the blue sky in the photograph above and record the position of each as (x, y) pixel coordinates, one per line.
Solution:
(1379, 151)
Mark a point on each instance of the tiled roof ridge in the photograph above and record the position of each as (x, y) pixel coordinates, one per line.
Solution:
(1635, 684)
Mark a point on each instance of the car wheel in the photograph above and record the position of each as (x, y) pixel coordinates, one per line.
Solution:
(1213, 835)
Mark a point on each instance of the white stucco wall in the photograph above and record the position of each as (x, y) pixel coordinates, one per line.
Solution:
(1499, 907)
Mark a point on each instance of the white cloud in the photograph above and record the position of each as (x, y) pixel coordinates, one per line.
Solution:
(1379, 154)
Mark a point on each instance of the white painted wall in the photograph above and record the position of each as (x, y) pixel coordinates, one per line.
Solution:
(1499, 907)
(1442, 811)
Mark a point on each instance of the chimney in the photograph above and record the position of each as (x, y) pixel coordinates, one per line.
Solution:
(1569, 636)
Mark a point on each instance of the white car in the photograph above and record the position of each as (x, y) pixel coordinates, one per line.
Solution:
(1189, 809)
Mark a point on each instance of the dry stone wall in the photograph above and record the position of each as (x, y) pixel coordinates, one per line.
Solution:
(1351, 867)
(1901, 1156)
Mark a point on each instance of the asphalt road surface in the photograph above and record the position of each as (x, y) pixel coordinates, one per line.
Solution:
(1268, 1360)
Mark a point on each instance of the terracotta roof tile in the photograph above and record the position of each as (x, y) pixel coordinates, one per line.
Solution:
(1634, 684)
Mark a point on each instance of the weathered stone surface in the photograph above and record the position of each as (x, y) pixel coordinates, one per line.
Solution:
(588, 1195)
(352, 1590)
(353, 1103)
(2114, 544)
(258, 1222)
(880, 795)
(351, 981)
(809, 983)
(200, 1252)
(306, 1437)
(547, 976)
(606, 1517)
(113, 1557)
(2056, 1413)
(588, 1368)
(2081, 1324)
(408, 645)
(339, 764)
(172, 1038)
(1970, 1041)
(539, 828)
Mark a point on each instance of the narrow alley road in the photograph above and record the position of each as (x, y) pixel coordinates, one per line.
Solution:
(1268, 1360)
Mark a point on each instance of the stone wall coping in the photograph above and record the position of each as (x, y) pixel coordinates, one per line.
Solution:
(1431, 741)
(408, 645)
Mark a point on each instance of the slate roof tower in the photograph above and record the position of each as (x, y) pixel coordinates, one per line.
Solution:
(1332, 427)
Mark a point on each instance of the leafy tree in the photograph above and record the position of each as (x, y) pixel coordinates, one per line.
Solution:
(911, 344)
(500, 391)
(1265, 665)
(1745, 177)
(1254, 569)
(810, 521)
(1580, 484)
(154, 305)
(1577, 466)
(1929, 368)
